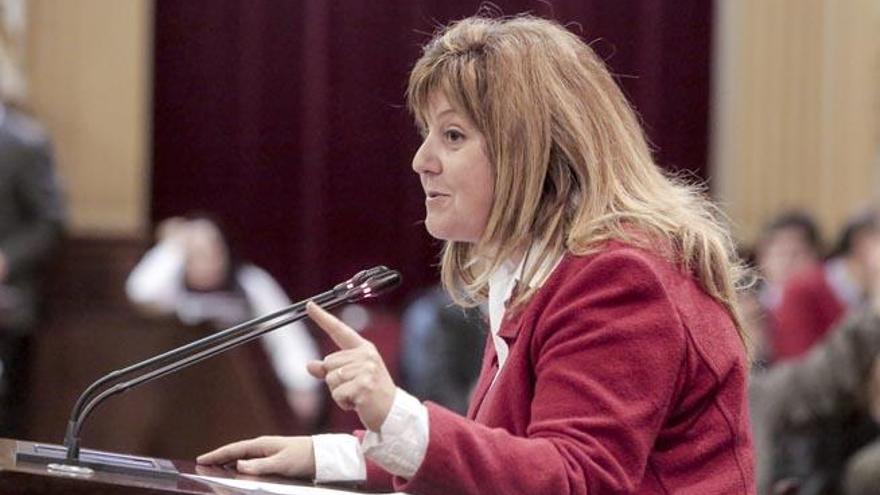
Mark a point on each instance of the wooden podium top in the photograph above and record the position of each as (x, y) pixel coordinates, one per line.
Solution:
(28, 478)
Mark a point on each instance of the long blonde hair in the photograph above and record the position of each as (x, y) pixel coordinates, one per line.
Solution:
(571, 164)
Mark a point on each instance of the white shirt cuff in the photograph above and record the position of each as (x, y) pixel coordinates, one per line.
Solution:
(402, 441)
(338, 457)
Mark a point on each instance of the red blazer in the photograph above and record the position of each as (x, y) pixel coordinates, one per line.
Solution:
(809, 308)
(623, 377)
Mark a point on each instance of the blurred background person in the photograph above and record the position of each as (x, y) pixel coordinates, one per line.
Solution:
(193, 274)
(814, 299)
(788, 245)
(31, 219)
(441, 350)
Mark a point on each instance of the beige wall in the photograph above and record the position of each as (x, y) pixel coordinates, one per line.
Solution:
(88, 66)
(796, 109)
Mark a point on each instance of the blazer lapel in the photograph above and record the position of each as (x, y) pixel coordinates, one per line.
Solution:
(509, 330)
(487, 372)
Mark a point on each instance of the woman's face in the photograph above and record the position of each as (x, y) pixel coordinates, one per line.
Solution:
(455, 174)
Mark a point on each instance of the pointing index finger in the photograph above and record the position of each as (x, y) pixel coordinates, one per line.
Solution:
(344, 336)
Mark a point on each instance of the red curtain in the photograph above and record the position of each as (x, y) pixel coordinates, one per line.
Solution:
(286, 118)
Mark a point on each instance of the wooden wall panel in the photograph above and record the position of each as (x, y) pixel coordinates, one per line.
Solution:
(795, 99)
(88, 66)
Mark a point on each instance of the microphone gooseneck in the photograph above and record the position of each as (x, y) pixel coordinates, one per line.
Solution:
(366, 284)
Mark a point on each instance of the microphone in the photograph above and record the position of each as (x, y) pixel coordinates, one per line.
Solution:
(366, 284)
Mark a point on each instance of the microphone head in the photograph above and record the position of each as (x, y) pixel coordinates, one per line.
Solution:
(359, 278)
(368, 284)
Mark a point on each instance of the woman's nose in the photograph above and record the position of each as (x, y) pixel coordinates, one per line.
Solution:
(425, 160)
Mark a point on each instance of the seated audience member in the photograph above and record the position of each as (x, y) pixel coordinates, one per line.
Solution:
(814, 300)
(442, 350)
(31, 219)
(789, 245)
(192, 274)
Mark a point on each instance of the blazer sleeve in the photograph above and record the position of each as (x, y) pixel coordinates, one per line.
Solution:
(607, 352)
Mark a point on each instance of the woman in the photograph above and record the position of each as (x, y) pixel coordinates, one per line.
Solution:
(615, 361)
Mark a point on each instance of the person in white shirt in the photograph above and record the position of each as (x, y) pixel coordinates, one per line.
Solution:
(190, 273)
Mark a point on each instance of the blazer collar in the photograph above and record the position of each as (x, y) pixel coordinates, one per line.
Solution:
(504, 285)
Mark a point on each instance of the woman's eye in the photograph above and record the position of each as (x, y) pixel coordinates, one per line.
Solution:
(454, 136)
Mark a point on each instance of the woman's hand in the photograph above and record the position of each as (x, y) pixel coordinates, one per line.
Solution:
(285, 456)
(356, 375)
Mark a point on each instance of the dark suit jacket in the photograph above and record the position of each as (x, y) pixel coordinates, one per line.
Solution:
(31, 214)
(811, 414)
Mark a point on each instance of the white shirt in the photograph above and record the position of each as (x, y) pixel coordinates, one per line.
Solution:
(402, 441)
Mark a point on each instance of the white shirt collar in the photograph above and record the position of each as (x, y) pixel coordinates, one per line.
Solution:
(504, 279)
(501, 285)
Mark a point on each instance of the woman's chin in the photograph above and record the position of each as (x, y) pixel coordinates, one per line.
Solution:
(443, 233)
(435, 231)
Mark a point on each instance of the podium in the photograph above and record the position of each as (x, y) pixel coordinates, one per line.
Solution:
(30, 478)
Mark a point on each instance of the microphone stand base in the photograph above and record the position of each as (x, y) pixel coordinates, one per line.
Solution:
(55, 457)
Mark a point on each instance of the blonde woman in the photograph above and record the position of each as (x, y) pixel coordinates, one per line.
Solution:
(616, 362)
